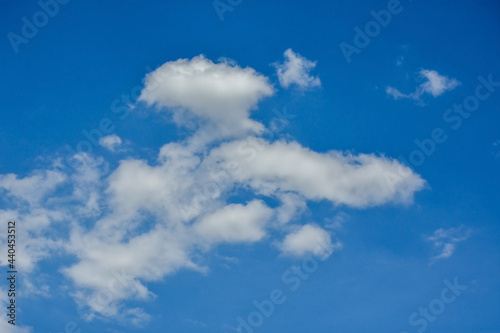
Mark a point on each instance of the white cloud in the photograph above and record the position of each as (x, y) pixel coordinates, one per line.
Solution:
(104, 281)
(293, 205)
(136, 185)
(395, 93)
(235, 223)
(437, 84)
(110, 142)
(434, 84)
(31, 225)
(30, 205)
(31, 188)
(358, 181)
(221, 93)
(445, 241)
(137, 317)
(308, 240)
(295, 70)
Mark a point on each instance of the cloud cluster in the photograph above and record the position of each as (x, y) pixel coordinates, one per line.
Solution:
(433, 84)
(143, 220)
(219, 93)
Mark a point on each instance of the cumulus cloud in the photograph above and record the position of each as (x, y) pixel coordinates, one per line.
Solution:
(104, 281)
(110, 142)
(235, 223)
(221, 93)
(146, 219)
(354, 180)
(308, 240)
(295, 70)
(444, 241)
(433, 84)
(136, 185)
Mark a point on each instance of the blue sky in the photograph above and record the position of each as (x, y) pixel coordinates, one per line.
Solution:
(251, 166)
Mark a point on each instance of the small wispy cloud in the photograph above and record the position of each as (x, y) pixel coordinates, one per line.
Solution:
(336, 222)
(295, 70)
(400, 61)
(496, 149)
(433, 84)
(110, 142)
(445, 241)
